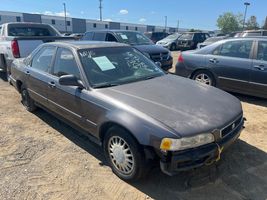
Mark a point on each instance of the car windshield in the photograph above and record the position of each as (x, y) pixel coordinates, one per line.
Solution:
(213, 39)
(187, 36)
(133, 38)
(106, 67)
(173, 36)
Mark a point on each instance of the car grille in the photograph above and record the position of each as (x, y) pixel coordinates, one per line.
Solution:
(182, 42)
(160, 57)
(228, 129)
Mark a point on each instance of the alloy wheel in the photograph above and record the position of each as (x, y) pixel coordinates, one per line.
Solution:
(203, 78)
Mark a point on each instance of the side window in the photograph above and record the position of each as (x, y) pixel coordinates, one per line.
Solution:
(88, 36)
(43, 59)
(99, 36)
(262, 51)
(237, 49)
(65, 64)
(264, 33)
(111, 38)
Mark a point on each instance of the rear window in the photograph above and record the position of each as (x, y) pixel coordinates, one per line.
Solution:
(29, 31)
(187, 36)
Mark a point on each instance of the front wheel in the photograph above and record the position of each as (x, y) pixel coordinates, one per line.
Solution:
(205, 77)
(27, 101)
(124, 154)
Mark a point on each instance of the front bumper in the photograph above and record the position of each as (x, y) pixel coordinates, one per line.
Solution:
(166, 64)
(184, 160)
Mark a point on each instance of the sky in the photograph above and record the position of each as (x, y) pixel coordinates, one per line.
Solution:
(197, 14)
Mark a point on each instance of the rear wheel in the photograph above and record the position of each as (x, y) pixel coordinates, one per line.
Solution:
(124, 154)
(204, 76)
(173, 47)
(27, 101)
(4, 68)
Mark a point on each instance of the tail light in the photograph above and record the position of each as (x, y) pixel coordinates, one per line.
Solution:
(15, 48)
(180, 58)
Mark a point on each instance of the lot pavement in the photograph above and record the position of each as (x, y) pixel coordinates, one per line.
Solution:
(43, 158)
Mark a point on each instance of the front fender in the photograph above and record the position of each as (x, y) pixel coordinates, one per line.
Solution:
(147, 131)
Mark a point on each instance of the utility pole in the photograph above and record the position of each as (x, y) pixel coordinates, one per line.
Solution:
(166, 18)
(246, 4)
(100, 9)
(65, 14)
(178, 24)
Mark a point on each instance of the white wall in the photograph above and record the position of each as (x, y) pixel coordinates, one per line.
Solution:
(99, 25)
(9, 17)
(59, 22)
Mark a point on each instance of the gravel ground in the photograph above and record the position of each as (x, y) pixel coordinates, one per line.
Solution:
(43, 158)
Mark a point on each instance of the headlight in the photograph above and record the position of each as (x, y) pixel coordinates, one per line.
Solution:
(170, 144)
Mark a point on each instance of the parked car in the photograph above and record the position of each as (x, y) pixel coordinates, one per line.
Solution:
(189, 40)
(253, 33)
(138, 41)
(127, 104)
(170, 42)
(210, 40)
(156, 36)
(18, 40)
(237, 65)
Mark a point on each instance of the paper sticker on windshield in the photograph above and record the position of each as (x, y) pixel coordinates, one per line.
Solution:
(104, 63)
(124, 37)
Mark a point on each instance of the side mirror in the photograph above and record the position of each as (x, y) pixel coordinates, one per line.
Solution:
(158, 64)
(70, 80)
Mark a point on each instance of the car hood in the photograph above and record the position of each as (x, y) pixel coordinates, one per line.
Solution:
(185, 106)
(151, 49)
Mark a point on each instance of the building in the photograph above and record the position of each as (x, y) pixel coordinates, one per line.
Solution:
(77, 25)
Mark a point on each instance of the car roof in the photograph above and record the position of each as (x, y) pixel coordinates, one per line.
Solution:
(112, 30)
(87, 44)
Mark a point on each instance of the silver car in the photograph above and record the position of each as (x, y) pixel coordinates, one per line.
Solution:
(170, 42)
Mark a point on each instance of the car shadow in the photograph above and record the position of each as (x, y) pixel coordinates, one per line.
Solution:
(251, 99)
(3, 76)
(240, 174)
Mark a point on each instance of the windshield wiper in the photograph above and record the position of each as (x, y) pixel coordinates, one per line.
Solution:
(106, 85)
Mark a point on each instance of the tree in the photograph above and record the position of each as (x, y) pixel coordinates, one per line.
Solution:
(265, 24)
(228, 22)
(252, 23)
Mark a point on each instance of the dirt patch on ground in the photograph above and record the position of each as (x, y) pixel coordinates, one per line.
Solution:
(43, 158)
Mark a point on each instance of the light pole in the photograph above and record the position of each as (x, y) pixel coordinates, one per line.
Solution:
(166, 18)
(178, 24)
(246, 5)
(100, 9)
(65, 17)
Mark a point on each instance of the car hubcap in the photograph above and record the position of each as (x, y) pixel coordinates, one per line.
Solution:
(203, 78)
(121, 155)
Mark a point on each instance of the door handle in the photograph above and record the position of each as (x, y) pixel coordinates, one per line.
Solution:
(213, 60)
(52, 84)
(259, 67)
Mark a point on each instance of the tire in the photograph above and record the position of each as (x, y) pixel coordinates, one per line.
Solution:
(204, 76)
(116, 141)
(4, 68)
(27, 101)
(173, 47)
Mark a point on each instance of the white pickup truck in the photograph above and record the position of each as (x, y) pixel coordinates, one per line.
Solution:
(18, 40)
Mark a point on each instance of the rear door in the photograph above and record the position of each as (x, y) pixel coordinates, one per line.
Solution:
(259, 70)
(37, 74)
(231, 62)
